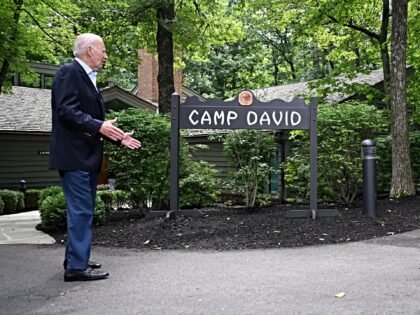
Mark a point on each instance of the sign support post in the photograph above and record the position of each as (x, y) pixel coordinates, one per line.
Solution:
(313, 140)
(174, 168)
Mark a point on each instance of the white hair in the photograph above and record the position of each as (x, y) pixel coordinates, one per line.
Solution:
(84, 40)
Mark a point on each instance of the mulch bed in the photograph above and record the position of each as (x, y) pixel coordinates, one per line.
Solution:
(232, 228)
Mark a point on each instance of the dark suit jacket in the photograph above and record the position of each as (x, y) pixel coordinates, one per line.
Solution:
(77, 115)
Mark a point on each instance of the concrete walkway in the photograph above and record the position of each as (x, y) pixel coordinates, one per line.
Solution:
(19, 228)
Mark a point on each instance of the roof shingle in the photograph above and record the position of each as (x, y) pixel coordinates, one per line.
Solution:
(26, 109)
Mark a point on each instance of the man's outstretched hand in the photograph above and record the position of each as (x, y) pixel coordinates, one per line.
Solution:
(108, 129)
(129, 141)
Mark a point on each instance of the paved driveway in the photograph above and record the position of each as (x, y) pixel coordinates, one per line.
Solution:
(378, 277)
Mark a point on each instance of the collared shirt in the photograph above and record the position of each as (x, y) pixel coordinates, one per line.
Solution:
(92, 74)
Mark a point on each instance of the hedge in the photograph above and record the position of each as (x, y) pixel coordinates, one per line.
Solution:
(53, 212)
(13, 201)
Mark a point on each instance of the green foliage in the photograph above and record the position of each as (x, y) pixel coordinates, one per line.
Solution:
(413, 97)
(114, 199)
(197, 24)
(42, 31)
(53, 212)
(122, 199)
(142, 172)
(49, 191)
(240, 65)
(32, 198)
(54, 208)
(384, 160)
(250, 152)
(21, 201)
(99, 212)
(199, 187)
(1, 205)
(287, 41)
(415, 154)
(107, 198)
(11, 200)
(109, 19)
(341, 130)
(413, 59)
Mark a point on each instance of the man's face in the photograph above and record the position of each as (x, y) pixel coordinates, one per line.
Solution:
(98, 56)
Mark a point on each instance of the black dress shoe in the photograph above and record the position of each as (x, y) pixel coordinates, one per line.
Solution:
(91, 264)
(84, 275)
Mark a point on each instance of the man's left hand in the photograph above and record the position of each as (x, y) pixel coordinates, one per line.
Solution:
(129, 141)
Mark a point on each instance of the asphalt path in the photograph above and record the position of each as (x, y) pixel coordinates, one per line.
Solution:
(380, 276)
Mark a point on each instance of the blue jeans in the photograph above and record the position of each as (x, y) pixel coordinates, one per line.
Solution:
(80, 191)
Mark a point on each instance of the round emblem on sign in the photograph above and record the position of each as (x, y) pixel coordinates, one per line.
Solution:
(246, 98)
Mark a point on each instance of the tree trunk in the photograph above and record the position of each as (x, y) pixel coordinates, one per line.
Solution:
(165, 15)
(402, 183)
(9, 54)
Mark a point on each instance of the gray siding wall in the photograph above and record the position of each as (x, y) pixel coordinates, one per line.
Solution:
(23, 156)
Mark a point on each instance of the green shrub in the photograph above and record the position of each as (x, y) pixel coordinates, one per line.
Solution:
(108, 198)
(49, 191)
(53, 212)
(415, 154)
(99, 213)
(21, 201)
(114, 199)
(32, 199)
(144, 173)
(1, 205)
(199, 187)
(250, 152)
(384, 160)
(341, 130)
(122, 198)
(10, 199)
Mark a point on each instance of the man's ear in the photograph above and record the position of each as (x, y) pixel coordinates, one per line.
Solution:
(90, 51)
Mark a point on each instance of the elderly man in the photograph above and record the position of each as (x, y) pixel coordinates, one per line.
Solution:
(78, 130)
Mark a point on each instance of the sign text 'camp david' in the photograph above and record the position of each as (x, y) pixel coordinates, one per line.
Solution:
(246, 118)
(244, 112)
